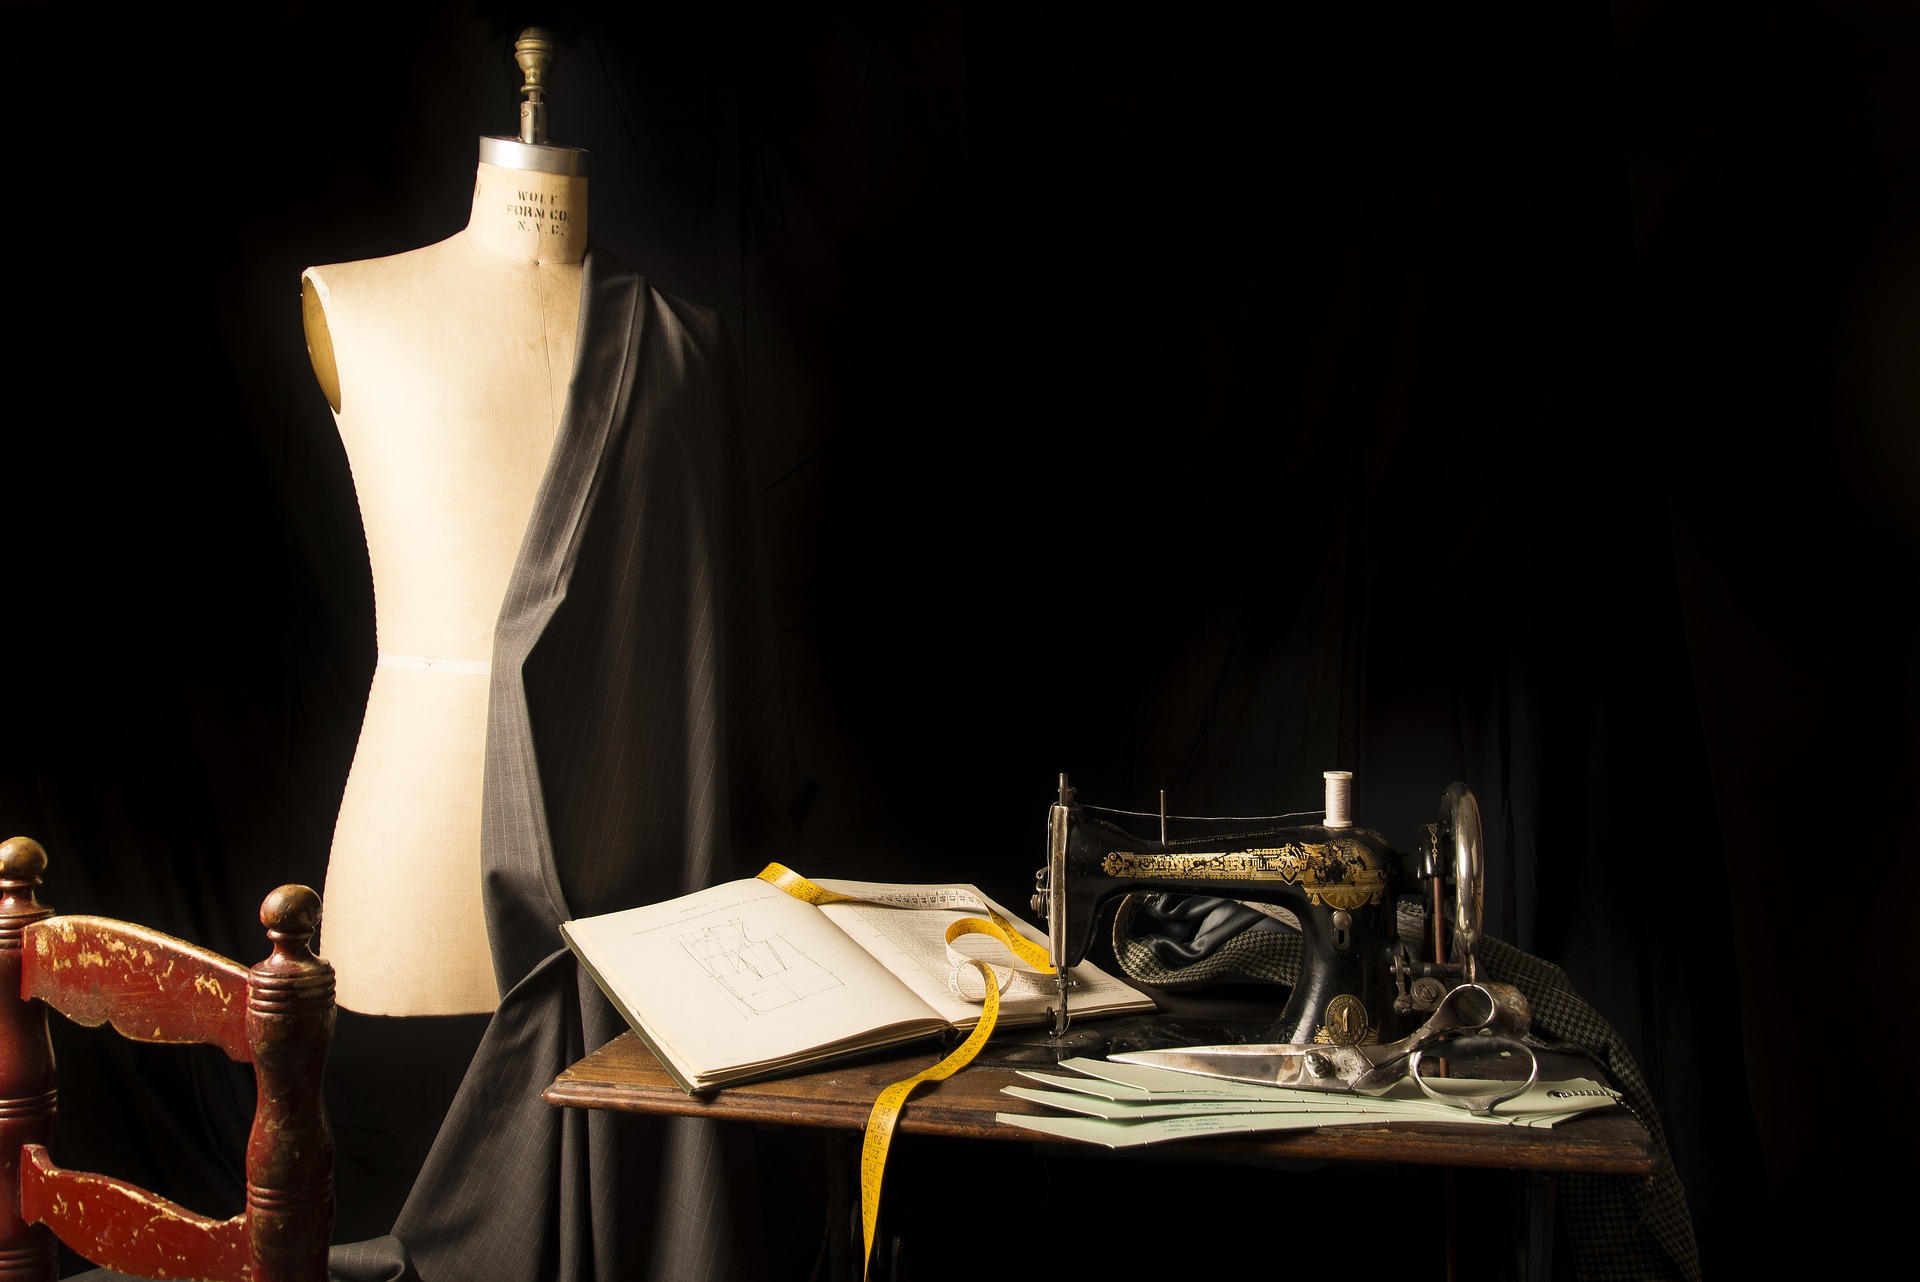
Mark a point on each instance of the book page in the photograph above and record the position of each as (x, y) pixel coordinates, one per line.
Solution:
(912, 944)
(739, 974)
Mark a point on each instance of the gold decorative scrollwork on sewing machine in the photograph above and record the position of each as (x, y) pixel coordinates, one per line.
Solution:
(1338, 874)
(1359, 982)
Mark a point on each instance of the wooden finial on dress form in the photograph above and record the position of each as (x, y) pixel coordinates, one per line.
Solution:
(534, 52)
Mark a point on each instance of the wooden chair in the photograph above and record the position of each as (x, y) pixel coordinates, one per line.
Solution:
(277, 1016)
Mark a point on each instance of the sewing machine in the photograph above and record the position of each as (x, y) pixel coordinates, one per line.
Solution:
(1359, 983)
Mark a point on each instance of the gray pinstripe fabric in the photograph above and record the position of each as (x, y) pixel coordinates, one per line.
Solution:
(636, 750)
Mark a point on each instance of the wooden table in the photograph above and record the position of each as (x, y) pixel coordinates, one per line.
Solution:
(624, 1076)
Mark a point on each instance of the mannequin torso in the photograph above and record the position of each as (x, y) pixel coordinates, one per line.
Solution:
(447, 369)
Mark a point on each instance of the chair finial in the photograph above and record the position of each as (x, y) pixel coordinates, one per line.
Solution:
(22, 859)
(291, 914)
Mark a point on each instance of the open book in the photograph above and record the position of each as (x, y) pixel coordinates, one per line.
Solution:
(743, 981)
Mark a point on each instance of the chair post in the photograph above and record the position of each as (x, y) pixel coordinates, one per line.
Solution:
(28, 1087)
(290, 1018)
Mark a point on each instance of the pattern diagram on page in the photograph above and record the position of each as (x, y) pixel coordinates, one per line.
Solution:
(757, 975)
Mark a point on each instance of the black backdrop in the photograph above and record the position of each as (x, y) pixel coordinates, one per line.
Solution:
(1516, 395)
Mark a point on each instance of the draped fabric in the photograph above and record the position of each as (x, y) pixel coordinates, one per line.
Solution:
(636, 751)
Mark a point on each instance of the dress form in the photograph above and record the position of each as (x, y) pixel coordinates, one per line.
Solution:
(447, 369)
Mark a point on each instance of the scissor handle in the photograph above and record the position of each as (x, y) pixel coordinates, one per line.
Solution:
(1480, 1104)
(1465, 1010)
(1497, 1008)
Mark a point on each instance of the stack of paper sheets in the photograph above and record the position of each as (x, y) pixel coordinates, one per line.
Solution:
(1123, 1105)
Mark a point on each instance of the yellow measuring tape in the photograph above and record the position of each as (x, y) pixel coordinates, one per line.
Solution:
(886, 1109)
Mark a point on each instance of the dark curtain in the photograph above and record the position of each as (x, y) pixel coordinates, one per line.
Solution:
(1512, 394)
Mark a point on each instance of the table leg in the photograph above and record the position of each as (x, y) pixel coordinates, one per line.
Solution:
(843, 1208)
(1448, 1204)
(1540, 1189)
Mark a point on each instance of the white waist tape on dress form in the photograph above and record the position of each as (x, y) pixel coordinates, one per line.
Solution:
(468, 667)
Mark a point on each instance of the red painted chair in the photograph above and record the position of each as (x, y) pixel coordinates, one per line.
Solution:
(277, 1016)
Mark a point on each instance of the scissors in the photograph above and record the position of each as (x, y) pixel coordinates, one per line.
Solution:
(1476, 1018)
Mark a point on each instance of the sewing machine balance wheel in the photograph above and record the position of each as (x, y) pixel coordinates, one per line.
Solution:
(1459, 829)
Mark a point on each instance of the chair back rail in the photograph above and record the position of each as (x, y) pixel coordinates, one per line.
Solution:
(128, 1228)
(150, 986)
(278, 1015)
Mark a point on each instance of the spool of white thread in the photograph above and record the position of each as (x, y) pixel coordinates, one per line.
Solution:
(1339, 798)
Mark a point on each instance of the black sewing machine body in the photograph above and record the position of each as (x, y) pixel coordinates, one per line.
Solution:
(1338, 883)
(1359, 983)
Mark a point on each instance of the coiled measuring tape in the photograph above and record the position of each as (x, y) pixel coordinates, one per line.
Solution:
(1028, 955)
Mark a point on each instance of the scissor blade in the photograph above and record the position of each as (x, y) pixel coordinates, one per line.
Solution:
(1319, 1068)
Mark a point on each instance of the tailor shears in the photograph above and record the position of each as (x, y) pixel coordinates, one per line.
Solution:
(1470, 1021)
